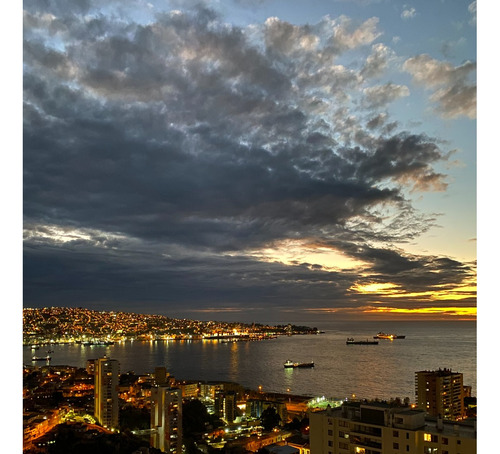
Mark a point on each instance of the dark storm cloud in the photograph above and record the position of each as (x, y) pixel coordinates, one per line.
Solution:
(414, 273)
(173, 144)
(95, 275)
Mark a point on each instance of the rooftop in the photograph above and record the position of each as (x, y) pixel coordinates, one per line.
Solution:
(440, 372)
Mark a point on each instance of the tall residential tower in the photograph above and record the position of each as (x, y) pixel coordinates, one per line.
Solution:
(166, 419)
(440, 393)
(106, 377)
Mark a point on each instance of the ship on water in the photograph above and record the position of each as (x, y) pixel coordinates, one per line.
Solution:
(292, 365)
(351, 341)
(41, 358)
(381, 335)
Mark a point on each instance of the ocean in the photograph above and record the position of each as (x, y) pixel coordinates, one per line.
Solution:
(383, 371)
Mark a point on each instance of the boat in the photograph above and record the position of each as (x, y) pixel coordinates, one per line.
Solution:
(351, 341)
(291, 365)
(41, 358)
(381, 335)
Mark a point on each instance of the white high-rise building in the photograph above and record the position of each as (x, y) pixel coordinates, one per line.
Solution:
(166, 419)
(106, 379)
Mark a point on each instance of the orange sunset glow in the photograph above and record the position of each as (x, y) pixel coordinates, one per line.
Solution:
(465, 313)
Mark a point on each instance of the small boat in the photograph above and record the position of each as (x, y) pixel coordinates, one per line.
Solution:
(351, 341)
(290, 364)
(381, 335)
(41, 358)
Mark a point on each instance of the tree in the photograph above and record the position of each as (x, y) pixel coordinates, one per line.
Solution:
(134, 418)
(270, 419)
(195, 417)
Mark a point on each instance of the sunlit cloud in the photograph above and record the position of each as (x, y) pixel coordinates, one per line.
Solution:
(375, 287)
(389, 290)
(212, 310)
(56, 234)
(454, 86)
(294, 252)
(388, 312)
(469, 312)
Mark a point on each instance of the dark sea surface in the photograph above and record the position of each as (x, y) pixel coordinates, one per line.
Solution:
(380, 371)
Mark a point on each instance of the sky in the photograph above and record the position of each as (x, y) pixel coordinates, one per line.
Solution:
(253, 160)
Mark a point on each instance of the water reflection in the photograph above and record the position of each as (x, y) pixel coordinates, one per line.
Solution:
(234, 361)
(288, 377)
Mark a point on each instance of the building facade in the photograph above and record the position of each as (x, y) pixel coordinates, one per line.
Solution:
(440, 393)
(161, 376)
(166, 419)
(255, 408)
(357, 428)
(106, 380)
(225, 405)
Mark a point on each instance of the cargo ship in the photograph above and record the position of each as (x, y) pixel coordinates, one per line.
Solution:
(290, 364)
(351, 341)
(41, 358)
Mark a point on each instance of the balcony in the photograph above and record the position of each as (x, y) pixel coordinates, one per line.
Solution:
(365, 442)
(371, 431)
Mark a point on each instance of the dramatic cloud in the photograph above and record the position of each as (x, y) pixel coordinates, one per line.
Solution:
(170, 162)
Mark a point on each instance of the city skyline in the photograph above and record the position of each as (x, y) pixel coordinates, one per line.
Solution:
(250, 160)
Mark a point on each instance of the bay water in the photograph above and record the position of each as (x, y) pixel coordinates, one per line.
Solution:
(383, 371)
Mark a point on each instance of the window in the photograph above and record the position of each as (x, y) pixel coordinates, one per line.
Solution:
(407, 447)
(330, 432)
(445, 441)
(330, 443)
(407, 436)
(395, 433)
(395, 446)
(427, 437)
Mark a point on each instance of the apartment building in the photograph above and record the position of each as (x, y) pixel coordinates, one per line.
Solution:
(377, 428)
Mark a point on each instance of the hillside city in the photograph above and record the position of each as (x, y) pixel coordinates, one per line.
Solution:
(72, 325)
(102, 409)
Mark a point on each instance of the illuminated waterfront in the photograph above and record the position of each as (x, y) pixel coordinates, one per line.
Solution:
(382, 371)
